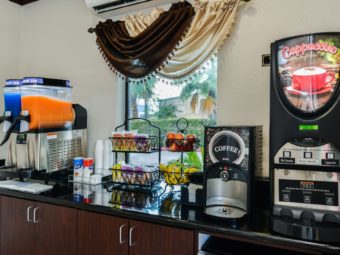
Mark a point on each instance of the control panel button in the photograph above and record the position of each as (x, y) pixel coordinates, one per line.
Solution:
(330, 155)
(308, 154)
(307, 218)
(307, 199)
(286, 154)
(330, 218)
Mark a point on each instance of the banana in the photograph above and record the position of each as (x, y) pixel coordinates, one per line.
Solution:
(173, 180)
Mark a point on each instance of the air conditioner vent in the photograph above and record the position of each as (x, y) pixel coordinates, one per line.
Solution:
(112, 8)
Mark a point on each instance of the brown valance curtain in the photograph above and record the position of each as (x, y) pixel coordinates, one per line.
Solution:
(140, 55)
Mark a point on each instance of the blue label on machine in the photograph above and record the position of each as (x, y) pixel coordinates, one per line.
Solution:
(13, 83)
(33, 80)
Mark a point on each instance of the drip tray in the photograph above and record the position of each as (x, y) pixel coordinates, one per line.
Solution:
(224, 211)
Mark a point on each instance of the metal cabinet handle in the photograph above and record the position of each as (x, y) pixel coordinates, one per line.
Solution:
(130, 237)
(121, 241)
(28, 210)
(35, 215)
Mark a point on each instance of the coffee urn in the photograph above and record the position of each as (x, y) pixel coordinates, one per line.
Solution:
(304, 137)
(232, 159)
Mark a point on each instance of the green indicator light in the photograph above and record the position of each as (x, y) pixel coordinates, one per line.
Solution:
(308, 127)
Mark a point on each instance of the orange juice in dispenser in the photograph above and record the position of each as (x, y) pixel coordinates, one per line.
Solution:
(47, 102)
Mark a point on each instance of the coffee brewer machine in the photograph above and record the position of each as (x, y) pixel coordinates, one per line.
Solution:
(304, 136)
(232, 159)
(49, 131)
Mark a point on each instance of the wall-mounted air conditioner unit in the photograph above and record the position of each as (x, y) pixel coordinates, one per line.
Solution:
(111, 8)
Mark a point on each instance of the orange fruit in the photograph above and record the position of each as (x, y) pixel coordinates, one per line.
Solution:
(171, 136)
(173, 147)
(179, 136)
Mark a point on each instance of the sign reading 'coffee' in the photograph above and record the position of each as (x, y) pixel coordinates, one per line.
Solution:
(226, 146)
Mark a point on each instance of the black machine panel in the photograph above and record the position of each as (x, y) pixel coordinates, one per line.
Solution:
(309, 110)
(304, 141)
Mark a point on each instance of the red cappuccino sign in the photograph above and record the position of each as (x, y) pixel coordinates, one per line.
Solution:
(301, 49)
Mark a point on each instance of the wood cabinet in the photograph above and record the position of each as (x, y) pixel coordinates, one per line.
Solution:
(165, 240)
(29, 227)
(144, 238)
(102, 234)
(17, 229)
(177, 241)
(56, 230)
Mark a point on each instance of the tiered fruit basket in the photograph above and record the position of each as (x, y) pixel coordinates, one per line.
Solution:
(134, 175)
(133, 143)
(177, 173)
(125, 142)
(178, 142)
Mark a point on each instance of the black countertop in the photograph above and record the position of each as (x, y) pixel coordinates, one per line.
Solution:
(163, 206)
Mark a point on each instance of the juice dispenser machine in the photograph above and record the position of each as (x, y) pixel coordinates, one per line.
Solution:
(304, 136)
(50, 131)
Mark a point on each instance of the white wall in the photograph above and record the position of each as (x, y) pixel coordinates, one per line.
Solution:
(9, 43)
(9, 49)
(54, 42)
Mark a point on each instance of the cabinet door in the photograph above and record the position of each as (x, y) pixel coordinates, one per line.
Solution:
(102, 234)
(17, 233)
(144, 238)
(148, 238)
(176, 241)
(56, 232)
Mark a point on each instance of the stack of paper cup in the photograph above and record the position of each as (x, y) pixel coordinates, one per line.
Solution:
(106, 197)
(99, 157)
(107, 157)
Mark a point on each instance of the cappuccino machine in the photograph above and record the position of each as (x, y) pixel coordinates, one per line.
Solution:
(232, 160)
(42, 130)
(305, 137)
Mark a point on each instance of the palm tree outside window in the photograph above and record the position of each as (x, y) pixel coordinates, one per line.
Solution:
(163, 103)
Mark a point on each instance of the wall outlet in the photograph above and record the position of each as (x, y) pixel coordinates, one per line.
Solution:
(266, 60)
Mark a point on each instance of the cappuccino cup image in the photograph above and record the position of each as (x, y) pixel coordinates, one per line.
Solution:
(311, 79)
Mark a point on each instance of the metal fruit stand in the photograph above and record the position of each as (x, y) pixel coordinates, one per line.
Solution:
(177, 142)
(135, 177)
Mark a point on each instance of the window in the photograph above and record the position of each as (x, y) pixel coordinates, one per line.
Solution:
(163, 103)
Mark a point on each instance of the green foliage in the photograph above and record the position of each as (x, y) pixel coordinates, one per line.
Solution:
(333, 58)
(196, 126)
(205, 86)
(166, 112)
(192, 159)
(143, 91)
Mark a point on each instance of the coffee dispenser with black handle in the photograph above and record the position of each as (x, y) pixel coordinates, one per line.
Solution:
(226, 191)
(232, 159)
